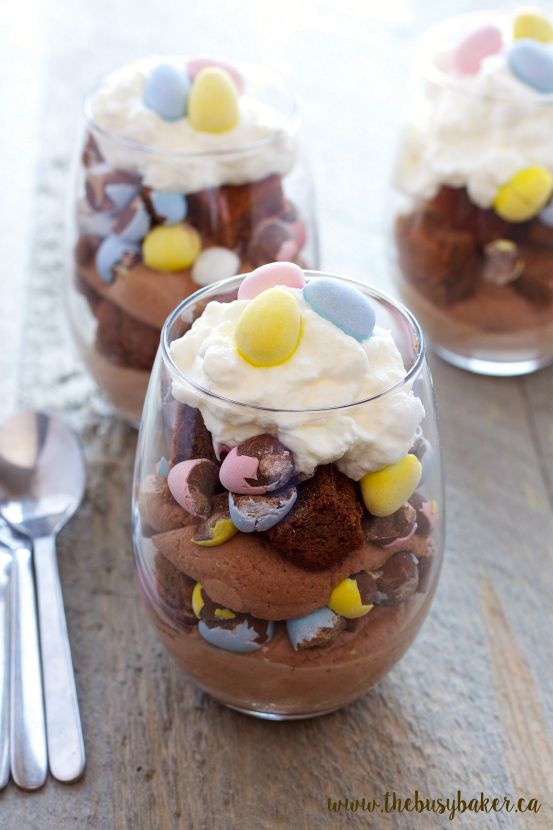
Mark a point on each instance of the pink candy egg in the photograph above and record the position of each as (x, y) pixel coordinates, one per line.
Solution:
(197, 64)
(475, 47)
(267, 276)
(192, 483)
(234, 471)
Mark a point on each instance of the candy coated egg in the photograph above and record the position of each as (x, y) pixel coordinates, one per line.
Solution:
(259, 513)
(166, 90)
(524, 195)
(111, 251)
(267, 276)
(192, 484)
(242, 637)
(170, 207)
(386, 490)
(235, 472)
(269, 329)
(533, 26)
(134, 222)
(215, 264)
(346, 599)
(197, 599)
(318, 628)
(196, 65)
(221, 531)
(162, 467)
(341, 304)
(532, 63)
(171, 248)
(476, 46)
(120, 194)
(213, 102)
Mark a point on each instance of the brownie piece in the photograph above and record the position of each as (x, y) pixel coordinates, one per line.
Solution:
(454, 207)
(441, 261)
(325, 523)
(536, 280)
(123, 339)
(175, 591)
(191, 438)
(228, 214)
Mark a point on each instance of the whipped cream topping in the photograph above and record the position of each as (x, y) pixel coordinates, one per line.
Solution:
(262, 144)
(329, 368)
(474, 131)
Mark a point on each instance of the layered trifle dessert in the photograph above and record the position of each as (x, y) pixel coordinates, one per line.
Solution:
(189, 174)
(287, 510)
(474, 234)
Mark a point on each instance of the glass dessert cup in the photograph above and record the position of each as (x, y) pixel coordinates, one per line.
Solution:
(476, 271)
(248, 619)
(161, 208)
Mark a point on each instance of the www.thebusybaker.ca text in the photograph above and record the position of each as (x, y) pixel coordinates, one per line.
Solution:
(450, 807)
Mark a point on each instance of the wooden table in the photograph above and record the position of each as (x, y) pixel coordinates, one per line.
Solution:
(470, 707)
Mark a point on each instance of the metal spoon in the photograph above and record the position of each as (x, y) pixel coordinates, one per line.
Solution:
(5, 632)
(42, 476)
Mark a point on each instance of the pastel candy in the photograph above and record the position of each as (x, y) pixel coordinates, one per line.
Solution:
(192, 484)
(354, 596)
(134, 222)
(171, 248)
(533, 26)
(197, 599)
(532, 63)
(268, 331)
(342, 304)
(386, 490)
(502, 262)
(194, 66)
(162, 467)
(268, 276)
(257, 465)
(476, 46)
(243, 635)
(215, 264)
(166, 91)
(112, 249)
(218, 528)
(213, 102)
(169, 207)
(319, 628)
(109, 190)
(258, 513)
(524, 195)
(398, 579)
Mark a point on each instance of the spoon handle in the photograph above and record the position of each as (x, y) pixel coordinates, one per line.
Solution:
(5, 566)
(29, 763)
(63, 722)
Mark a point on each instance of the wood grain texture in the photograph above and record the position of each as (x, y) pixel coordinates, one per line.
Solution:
(470, 706)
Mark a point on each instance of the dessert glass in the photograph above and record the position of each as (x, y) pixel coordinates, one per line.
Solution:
(238, 199)
(478, 277)
(265, 642)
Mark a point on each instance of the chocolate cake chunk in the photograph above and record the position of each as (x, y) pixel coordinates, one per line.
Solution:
(325, 523)
(454, 207)
(441, 261)
(191, 438)
(175, 590)
(123, 339)
(228, 214)
(536, 280)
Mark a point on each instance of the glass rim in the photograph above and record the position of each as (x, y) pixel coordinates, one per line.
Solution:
(292, 119)
(219, 286)
(437, 32)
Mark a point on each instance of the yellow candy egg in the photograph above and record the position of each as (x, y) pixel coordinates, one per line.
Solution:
(220, 532)
(346, 601)
(224, 613)
(213, 101)
(269, 329)
(197, 599)
(524, 195)
(534, 26)
(386, 490)
(171, 248)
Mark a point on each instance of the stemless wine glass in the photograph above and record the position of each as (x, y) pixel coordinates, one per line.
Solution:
(160, 208)
(474, 247)
(246, 620)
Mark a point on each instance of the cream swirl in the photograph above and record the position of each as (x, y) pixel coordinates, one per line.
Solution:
(328, 369)
(171, 155)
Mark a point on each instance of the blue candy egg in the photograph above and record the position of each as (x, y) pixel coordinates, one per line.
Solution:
(532, 63)
(241, 638)
(306, 631)
(111, 251)
(341, 304)
(171, 207)
(166, 91)
(121, 194)
(251, 513)
(162, 467)
(134, 223)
